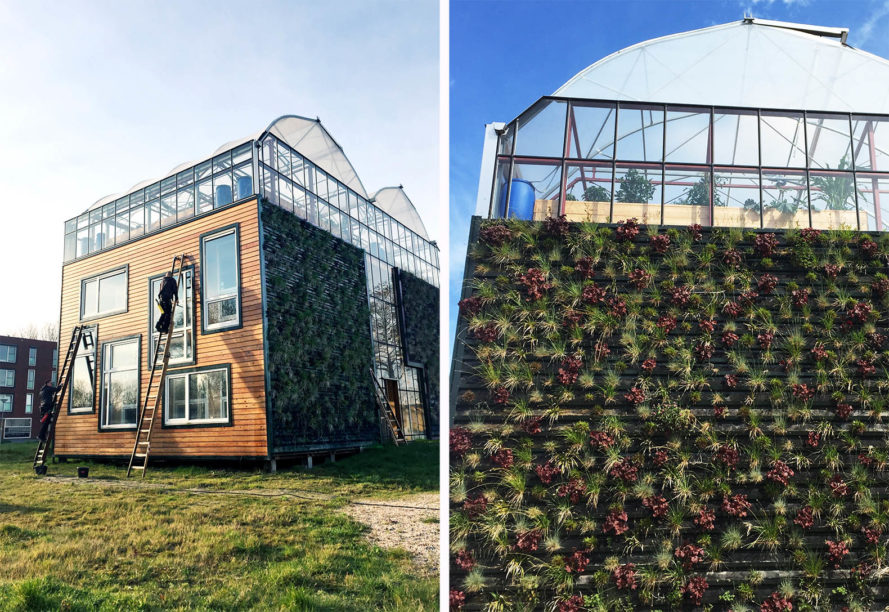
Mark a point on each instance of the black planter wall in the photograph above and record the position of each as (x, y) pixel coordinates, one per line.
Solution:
(653, 418)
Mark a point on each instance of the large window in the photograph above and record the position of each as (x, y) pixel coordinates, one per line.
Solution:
(7, 353)
(197, 398)
(16, 429)
(104, 294)
(5, 402)
(120, 383)
(32, 356)
(182, 338)
(83, 376)
(7, 378)
(220, 265)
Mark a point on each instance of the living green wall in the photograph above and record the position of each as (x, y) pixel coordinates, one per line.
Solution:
(653, 418)
(318, 335)
(419, 302)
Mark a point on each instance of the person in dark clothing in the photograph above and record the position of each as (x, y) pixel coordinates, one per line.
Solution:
(47, 397)
(169, 291)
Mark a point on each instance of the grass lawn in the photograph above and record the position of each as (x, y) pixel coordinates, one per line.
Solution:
(77, 546)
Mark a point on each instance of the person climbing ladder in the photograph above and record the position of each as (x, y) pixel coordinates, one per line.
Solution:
(168, 292)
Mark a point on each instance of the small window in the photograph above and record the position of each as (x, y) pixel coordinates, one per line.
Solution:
(16, 429)
(120, 383)
(220, 288)
(104, 294)
(32, 356)
(196, 398)
(7, 353)
(31, 376)
(83, 376)
(182, 338)
(7, 378)
(5, 402)
(29, 403)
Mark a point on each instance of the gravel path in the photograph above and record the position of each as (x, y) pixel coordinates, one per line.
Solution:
(409, 522)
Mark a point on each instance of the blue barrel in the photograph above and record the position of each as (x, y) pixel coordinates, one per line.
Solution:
(521, 200)
(245, 186)
(223, 195)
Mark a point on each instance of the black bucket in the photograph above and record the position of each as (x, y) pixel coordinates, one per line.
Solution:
(83, 472)
(40, 470)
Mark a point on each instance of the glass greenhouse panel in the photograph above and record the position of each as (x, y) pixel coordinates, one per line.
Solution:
(591, 131)
(783, 140)
(686, 196)
(504, 146)
(541, 130)
(637, 193)
(785, 201)
(688, 136)
(534, 190)
(736, 137)
(736, 201)
(830, 144)
(832, 197)
(640, 133)
(873, 201)
(588, 189)
(870, 137)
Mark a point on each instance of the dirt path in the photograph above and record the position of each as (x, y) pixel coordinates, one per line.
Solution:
(403, 524)
(410, 522)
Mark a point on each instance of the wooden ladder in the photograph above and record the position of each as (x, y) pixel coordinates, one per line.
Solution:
(43, 447)
(387, 412)
(148, 408)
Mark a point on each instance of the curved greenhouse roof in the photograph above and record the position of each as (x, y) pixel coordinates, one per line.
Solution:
(753, 63)
(308, 136)
(394, 201)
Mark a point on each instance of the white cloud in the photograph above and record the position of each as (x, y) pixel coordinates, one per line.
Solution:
(866, 29)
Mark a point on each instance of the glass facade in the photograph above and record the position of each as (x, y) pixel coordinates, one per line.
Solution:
(294, 183)
(605, 161)
(214, 183)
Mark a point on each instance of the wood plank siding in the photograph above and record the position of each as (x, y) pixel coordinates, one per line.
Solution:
(240, 349)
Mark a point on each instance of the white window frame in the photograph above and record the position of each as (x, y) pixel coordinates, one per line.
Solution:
(8, 353)
(188, 421)
(7, 377)
(106, 349)
(29, 403)
(22, 425)
(32, 356)
(205, 303)
(187, 303)
(6, 401)
(32, 378)
(84, 314)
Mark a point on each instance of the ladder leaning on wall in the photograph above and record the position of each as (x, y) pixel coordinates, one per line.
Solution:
(387, 411)
(77, 335)
(148, 408)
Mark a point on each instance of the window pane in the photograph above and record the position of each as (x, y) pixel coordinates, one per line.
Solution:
(205, 196)
(873, 201)
(588, 193)
(113, 292)
(735, 138)
(785, 199)
(222, 187)
(541, 130)
(31, 376)
(640, 133)
(829, 142)
(176, 398)
(123, 398)
(688, 136)
(90, 297)
(833, 200)
(154, 216)
(32, 356)
(870, 137)
(283, 165)
(686, 196)
(82, 384)
(185, 203)
(505, 141)
(220, 266)
(168, 210)
(783, 140)
(208, 396)
(591, 131)
(243, 181)
(736, 198)
(535, 191)
(242, 153)
(222, 311)
(637, 194)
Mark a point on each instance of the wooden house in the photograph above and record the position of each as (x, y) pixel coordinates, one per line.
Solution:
(297, 285)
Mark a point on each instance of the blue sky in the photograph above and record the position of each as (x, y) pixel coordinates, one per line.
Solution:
(96, 96)
(505, 54)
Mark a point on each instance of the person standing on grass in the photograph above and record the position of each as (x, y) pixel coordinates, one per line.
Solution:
(169, 291)
(47, 397)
